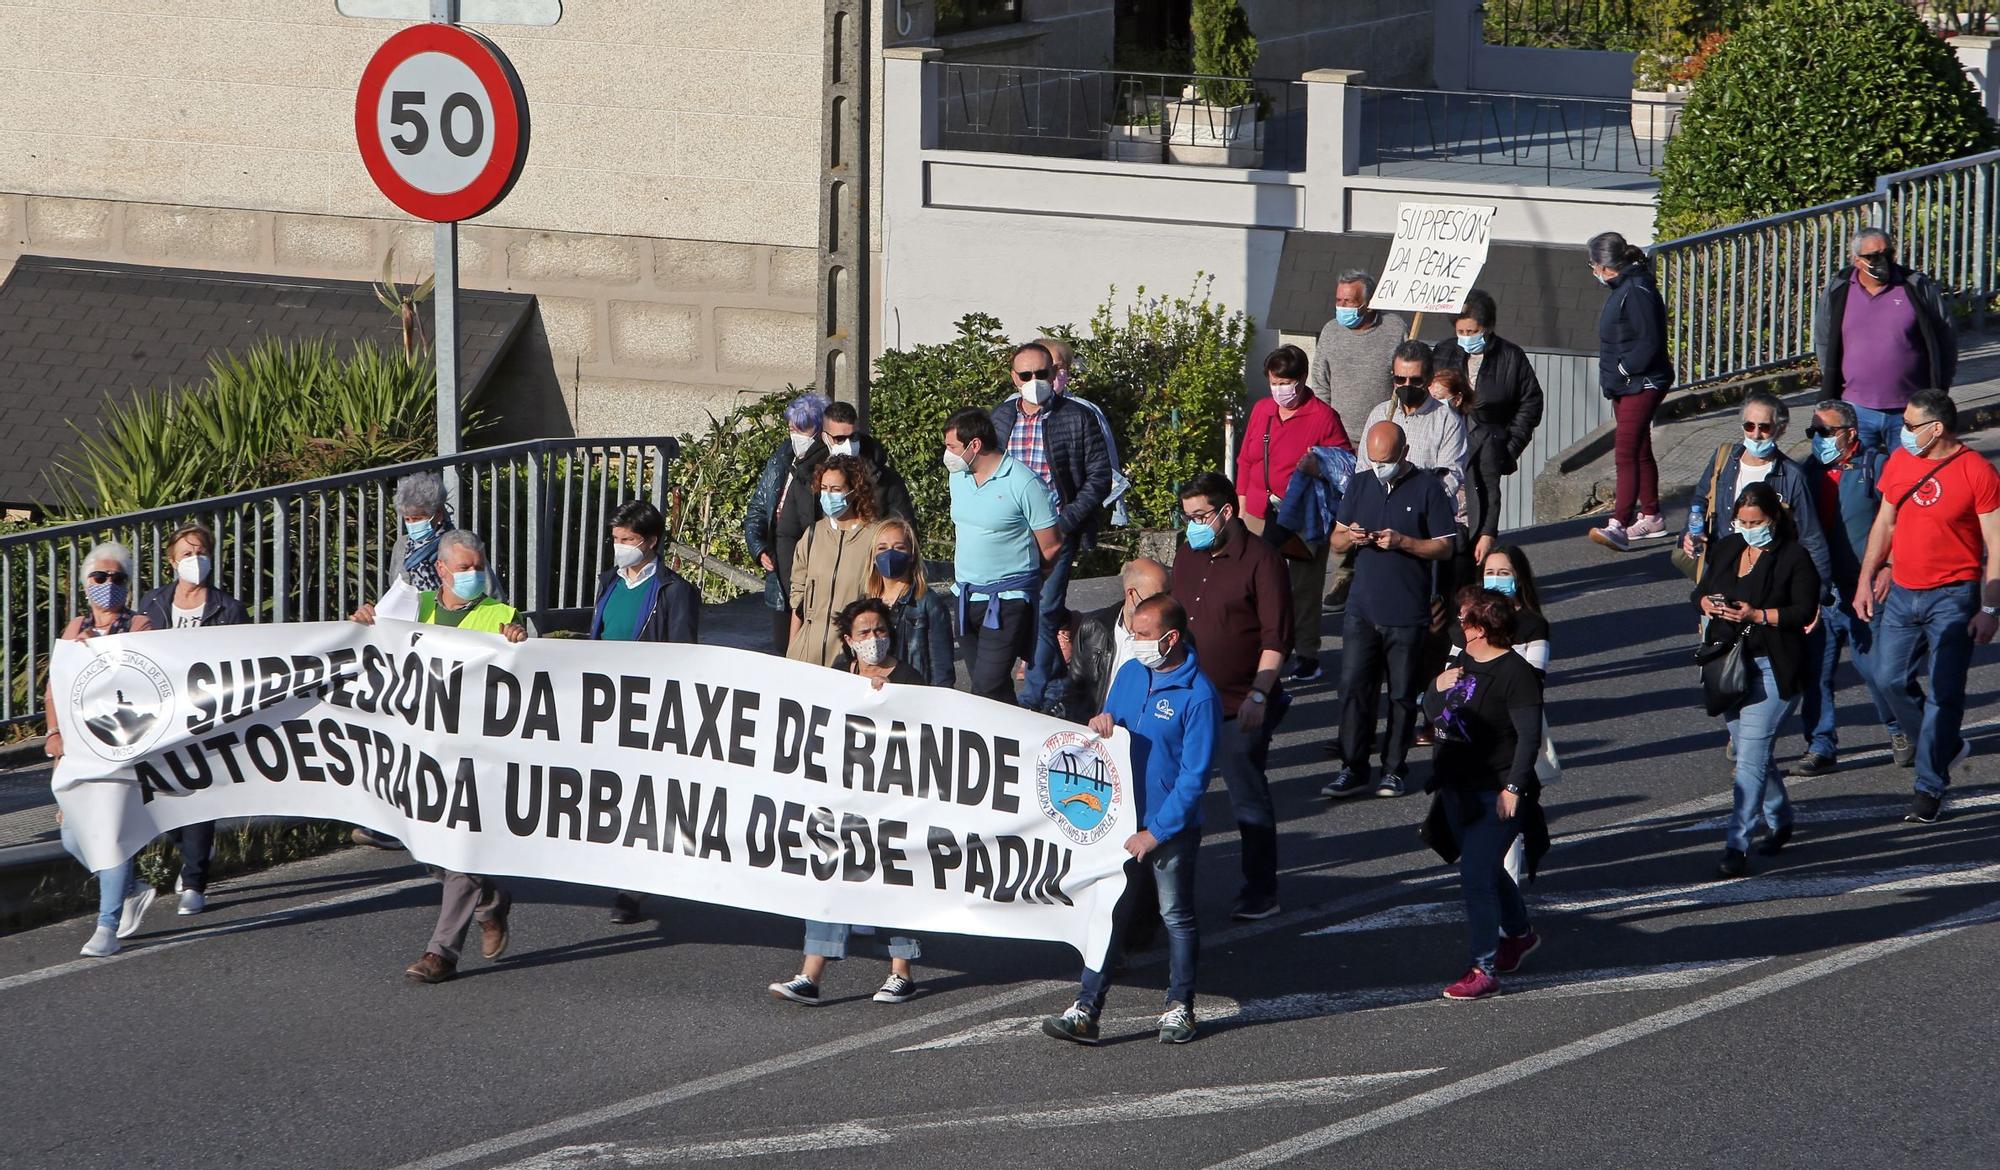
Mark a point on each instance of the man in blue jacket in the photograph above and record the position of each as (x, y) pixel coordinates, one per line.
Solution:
(1843, 472)
(1174, 715)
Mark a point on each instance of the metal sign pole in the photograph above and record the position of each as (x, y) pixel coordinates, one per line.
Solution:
(444, 304)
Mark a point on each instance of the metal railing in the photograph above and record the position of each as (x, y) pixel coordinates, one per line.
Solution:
(1120, 116)
(313, 551)
(1625, 25)
(1740, 299)
(1532, 132)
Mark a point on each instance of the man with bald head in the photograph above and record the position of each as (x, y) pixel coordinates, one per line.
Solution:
(1098, 643)
(1399, 520)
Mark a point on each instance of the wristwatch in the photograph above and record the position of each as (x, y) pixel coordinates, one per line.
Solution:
(1516, 790)
(1990, 610)
(1258, 696)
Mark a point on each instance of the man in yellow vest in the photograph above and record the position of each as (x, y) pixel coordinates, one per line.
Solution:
(460, 600)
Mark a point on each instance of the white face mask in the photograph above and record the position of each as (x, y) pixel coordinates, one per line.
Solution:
(841, 446)
(800, 444)
(193, 570)
(627, 555)
(1151, 654)
(1387, 471)
(1036, 391)
(871, 651)
(955, 463)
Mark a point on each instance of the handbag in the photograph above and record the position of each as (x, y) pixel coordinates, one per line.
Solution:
(1548, 765)
(1725, 675)
(1691, 566)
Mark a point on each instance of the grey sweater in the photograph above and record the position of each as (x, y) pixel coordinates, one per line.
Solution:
(1350, 370)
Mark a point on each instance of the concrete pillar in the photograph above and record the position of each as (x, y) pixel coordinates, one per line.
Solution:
(1457, 32)
(1333, 145)
(844, 296)
(1981, 58)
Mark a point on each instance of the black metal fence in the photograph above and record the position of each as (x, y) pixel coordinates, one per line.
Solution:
(1405, 129)
(1624, 25)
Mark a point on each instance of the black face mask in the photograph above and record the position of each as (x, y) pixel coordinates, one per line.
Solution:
(1411, 396)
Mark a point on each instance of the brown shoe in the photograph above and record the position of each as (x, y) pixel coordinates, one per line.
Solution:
(493, 931)
(432, 968)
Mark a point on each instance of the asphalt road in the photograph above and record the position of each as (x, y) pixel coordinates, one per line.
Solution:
(1830, 1010)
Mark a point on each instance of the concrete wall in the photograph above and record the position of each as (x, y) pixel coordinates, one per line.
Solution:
(1461, 59)
(666, 216)
(1067, 34)
(1391, 39)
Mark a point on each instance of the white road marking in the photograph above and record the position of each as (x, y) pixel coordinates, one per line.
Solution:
(880, 1131)
(1777, 887)
(1875, 811)
(141, 948)
(1315, 1140)
(1314, 1004)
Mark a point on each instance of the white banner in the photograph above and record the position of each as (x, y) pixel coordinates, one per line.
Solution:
(1435, 258)
(697, 772)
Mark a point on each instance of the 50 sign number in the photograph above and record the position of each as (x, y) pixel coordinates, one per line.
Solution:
(405, 111)
(441, 122)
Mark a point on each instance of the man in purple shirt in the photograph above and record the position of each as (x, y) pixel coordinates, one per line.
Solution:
(1881, 335)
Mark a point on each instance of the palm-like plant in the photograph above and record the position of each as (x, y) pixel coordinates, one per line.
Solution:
(403, 302)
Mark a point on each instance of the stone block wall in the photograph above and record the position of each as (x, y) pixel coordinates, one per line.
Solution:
(634, 335)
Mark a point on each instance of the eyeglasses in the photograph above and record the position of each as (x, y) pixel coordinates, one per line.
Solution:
(100, 577)
(1401, 381)
(1817, 431)
(1024, 375)
(1757, 428)
(1202, 517)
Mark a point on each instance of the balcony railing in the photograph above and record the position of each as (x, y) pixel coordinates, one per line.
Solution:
(1560, 138)
(1120, 116)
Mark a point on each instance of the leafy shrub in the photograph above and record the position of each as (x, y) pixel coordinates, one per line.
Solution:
(709, 486)
(1223, 48)
(274, 414)
(1810, 102)
(914, 391)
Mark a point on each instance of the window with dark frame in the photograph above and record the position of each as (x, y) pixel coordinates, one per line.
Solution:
(960, 15)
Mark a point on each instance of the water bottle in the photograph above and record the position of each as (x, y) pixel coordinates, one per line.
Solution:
(1697, 534)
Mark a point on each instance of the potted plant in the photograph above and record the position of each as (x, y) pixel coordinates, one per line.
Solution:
(1657, 93)
(1134, 132)
(1215, 122)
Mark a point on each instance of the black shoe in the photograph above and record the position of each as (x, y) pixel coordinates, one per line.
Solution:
(1776, 842)
(1734, 864)
(1252, 909)
(798, 989)
(1813, 764)
(1306, 670)
(1903, 750)
(1391, 784)
(1076, 1025)
(625, 911)
(1924, 809)
(1346, 782)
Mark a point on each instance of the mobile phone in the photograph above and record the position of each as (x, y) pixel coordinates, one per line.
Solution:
(1718, 599)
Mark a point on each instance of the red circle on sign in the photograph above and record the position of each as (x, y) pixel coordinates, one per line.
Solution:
(503, 93)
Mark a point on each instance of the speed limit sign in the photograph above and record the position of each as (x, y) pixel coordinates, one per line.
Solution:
(442, 122)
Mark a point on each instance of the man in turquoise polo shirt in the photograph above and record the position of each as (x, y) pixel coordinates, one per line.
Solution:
(1006, 533)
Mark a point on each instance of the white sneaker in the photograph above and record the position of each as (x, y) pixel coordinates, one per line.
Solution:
(192, 902)
(1647, 528)
(1612, 535)
(136, 904)
(103, 942)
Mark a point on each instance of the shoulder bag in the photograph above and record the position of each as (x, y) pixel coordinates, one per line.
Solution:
(1691, 566)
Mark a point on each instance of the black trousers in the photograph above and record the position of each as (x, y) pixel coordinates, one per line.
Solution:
(990, 654)
(1369, 656)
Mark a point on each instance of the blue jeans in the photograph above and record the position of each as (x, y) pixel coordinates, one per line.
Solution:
(1838, 625)
(112, 885)
(1493, 901)
(1173, 870)
(1753, 728)
(1047, 677)
(1878, 430)
(1931, 622)
(830, 939)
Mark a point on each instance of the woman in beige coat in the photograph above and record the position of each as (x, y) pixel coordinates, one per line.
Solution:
(830, 568)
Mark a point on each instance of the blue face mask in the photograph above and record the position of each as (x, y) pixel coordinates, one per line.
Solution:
(1348, 316)
(1910, 443)
(469, 585)
(832, 503)
(892, 563)
(1826, 449)
(1758, 536)
(1498, 584)
(1200, 536)
(1761, 448)
(419, 530)
(1473, 344)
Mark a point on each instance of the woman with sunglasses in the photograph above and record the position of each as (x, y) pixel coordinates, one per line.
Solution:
(1760, 589)
(107, 587)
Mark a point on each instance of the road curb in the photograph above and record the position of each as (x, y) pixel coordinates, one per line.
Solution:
(23, 754)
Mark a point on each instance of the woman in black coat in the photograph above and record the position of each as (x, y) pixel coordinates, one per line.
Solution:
(1635, 372)
(1506, 393)
(1759, 587)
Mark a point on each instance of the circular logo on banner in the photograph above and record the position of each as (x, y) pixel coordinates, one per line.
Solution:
(1078, 785)
(442, 122)
(123, 699)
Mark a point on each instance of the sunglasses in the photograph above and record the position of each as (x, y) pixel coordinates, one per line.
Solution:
(1407, 381)
(1024, 375)
(1757, 428)
(100, 577)
(1819, 432)
(1875, 257)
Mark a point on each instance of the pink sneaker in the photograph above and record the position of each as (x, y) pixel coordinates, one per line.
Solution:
(1647, 528)
(1612, 536)
(1476, 984)
(1512, 950)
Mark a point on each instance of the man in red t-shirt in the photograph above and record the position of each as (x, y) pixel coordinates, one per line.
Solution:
(1932, 571)
(1281, 430)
